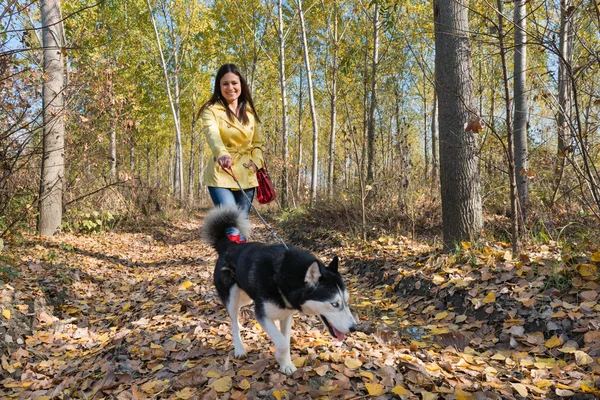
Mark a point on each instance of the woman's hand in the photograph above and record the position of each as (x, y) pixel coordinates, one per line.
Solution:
(225, 161)
(251, 165)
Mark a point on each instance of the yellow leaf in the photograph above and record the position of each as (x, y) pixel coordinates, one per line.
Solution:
(212, 374)
(244, 385)
(441, 315)
(246, 372)
(582, 358)
(438, 279)
(595, 257)
(460, 318)
(428, 395)
(299, 362)
(567, 349)
(278, 394)
(522, 389)
(465, 245)
(588, 389)
(185, 285)
(223, 384)
(399, 390)
(126, 307)
(353, 363)
(543, 384)
(367, 375)
(462, 395)
(6, 314)
(375, 389)
(553, 342)
(586, 270)
(490, 298)
(185, 393)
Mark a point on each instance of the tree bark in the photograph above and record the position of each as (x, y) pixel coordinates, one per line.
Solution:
(284, 116)
(373, 106)
(53, 157)
(434, 143)
(459, 176)
(514, 205)
(333, 105)
(313, 111)
(520, 96)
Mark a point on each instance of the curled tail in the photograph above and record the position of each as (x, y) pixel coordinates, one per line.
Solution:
(218, 220)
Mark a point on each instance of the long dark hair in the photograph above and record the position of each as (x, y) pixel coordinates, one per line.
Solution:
(244, 100)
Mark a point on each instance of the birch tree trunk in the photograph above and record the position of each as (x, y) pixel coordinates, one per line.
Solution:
(53, 157)
(284, 116)
(520, 96)
(373, 108)
(565, 58)
(313, 111)
(178, 170)
(459, 176)
(300, 113)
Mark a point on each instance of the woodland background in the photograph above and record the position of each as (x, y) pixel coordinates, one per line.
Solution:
(372, 146)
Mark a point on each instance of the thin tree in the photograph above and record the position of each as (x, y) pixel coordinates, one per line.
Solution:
(459, 175)
(53, 157)
(510, 151)
(520, 96)
(373, 106)
(174, 103)
(333, 96)
(281, 36)
(313, 112)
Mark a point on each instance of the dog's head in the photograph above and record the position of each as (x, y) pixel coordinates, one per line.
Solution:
(328, 298)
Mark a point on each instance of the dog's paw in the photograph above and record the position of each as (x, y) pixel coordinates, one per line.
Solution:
(240, 354)
(287, 369)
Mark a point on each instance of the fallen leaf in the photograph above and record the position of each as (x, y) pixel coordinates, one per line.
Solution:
(553, 342)
(299, 362)
(582, 358)
(586, 270)
(223, 384)
(278, 394)
(521, 389)
(490, 298)
(400, 390)
(375, 389)
(352, 363)
(185, 393)
(6, 313)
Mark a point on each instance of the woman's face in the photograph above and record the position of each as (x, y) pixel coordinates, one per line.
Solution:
(231, 87)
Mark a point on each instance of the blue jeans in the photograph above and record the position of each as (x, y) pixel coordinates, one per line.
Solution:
(225, 196)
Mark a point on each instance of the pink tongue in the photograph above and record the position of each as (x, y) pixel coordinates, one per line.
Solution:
(339, 335)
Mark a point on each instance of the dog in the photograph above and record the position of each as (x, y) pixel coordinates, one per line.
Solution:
(280, 281)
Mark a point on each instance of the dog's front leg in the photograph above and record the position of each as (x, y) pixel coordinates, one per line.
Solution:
(281, 342)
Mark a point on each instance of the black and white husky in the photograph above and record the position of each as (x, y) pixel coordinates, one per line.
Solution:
(280, 281)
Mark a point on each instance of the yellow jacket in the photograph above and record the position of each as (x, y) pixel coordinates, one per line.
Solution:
(226, 137)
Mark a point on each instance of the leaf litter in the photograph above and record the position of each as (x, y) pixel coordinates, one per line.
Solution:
(135, 316)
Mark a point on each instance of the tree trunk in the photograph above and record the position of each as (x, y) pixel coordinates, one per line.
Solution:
(173, 102)
(462, 215)
(434, 143)
(425, 130)
(191, 166)
(53, 157)
(373, 108)
(565, 58)
(520, 96)
(514, 205)
(300, 112)
(333, 121)
(313, 112)
(284, 116)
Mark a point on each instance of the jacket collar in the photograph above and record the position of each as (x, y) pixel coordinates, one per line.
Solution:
(236, 123)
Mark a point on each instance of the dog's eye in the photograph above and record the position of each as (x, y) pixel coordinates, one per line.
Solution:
(335, 304)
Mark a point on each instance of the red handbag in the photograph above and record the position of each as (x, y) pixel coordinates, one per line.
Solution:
(265, 192)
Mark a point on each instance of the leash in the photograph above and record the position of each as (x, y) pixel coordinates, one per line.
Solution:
(229, 172)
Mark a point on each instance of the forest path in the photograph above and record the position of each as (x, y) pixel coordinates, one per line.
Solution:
(134, 315)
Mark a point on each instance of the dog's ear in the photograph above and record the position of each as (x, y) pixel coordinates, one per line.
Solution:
(313, 274)
(333, 265)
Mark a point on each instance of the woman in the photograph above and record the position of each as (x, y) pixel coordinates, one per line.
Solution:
(230, 122)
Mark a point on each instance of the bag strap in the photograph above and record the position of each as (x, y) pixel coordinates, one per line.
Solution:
(263, 154)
